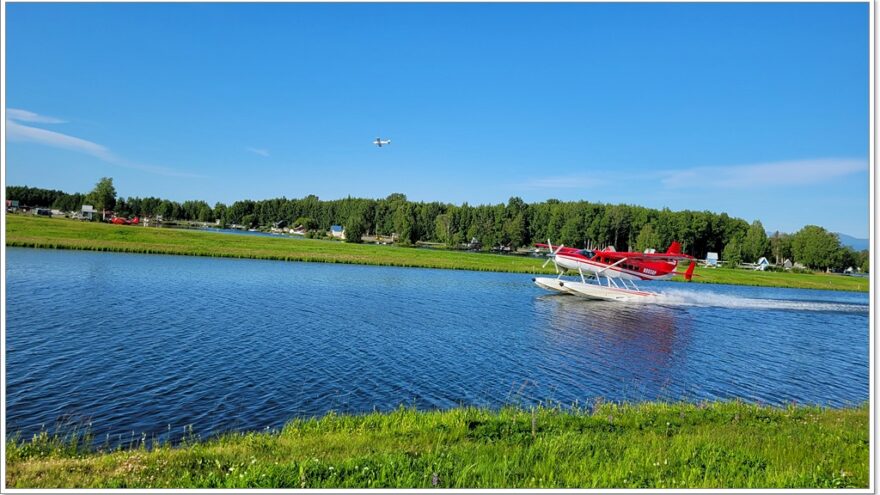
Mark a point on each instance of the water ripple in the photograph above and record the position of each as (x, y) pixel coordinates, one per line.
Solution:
(143, 343)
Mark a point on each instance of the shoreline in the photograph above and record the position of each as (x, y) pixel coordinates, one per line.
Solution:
(603, 445)
(34, 232)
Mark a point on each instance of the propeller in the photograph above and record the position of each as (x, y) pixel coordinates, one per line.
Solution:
(552, 255)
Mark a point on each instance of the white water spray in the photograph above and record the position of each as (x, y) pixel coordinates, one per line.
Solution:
(673, 297)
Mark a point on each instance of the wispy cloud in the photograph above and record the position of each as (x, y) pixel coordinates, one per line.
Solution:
(16, 131)
(259, 151)
(759, 175)
(20, 132)
(563, 182)
(25, 116)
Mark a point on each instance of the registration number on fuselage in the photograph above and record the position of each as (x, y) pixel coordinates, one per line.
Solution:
(649, 271)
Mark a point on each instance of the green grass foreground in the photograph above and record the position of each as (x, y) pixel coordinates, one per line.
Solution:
(648, 445)
(53, 233)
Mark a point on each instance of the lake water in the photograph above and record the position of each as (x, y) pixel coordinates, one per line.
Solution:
(138, 342)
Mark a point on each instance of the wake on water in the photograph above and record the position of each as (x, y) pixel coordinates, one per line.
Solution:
(675, 297)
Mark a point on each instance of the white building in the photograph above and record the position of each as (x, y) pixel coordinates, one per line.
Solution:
(762, 264)
(712, 259)
(87, 212)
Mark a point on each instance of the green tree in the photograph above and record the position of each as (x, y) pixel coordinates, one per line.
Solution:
(68, 202)
(307, 223)
(732, 254)
(220, 214)
(864, 261)
(647, 239)
(405, 224)
(755, 245)
(249, 220)
(164, 209)
(619, 220)
(843, 258)
(204, 212)
(103, 196)
(443, 228)
(814, 246)
(516, 231)
(354, 229)
(780, 247)
(572, 233)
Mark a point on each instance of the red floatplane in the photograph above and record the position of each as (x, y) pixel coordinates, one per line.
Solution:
(610, 275)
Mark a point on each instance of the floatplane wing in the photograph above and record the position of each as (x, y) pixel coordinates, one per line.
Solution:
(646, 256)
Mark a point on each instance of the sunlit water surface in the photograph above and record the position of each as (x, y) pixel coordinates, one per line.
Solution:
(140, 343)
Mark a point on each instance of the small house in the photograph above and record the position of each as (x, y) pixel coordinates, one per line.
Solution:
(87, 212)
(762, 264)
(787, 264)
(11, 205)
(712, 260)
(337, 231)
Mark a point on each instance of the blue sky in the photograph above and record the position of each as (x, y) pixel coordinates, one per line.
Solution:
(759, 110)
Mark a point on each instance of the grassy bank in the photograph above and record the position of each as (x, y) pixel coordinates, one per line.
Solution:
(715, 445)
(30, 231)
(826, 281)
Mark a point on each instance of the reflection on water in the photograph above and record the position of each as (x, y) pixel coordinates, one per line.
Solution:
(138, 343)
(634, 347)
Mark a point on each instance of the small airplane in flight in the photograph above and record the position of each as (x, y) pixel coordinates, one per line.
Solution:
(619, 270)
(381, 142)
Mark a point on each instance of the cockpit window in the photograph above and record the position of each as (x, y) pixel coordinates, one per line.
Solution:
(587, 253)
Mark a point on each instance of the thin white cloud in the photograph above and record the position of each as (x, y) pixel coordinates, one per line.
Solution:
(19, 132)
(16, 131)
(259, 151)
(760, 175)
(26, 116)
(154, 169)
(563, 182)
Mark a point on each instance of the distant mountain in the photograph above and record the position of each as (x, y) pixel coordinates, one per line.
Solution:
(853, 242)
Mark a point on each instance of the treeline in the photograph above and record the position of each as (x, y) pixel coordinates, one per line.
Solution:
(513, 224)
(34, 196)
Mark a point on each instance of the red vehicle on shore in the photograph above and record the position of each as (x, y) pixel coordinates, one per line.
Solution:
(124, 221)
